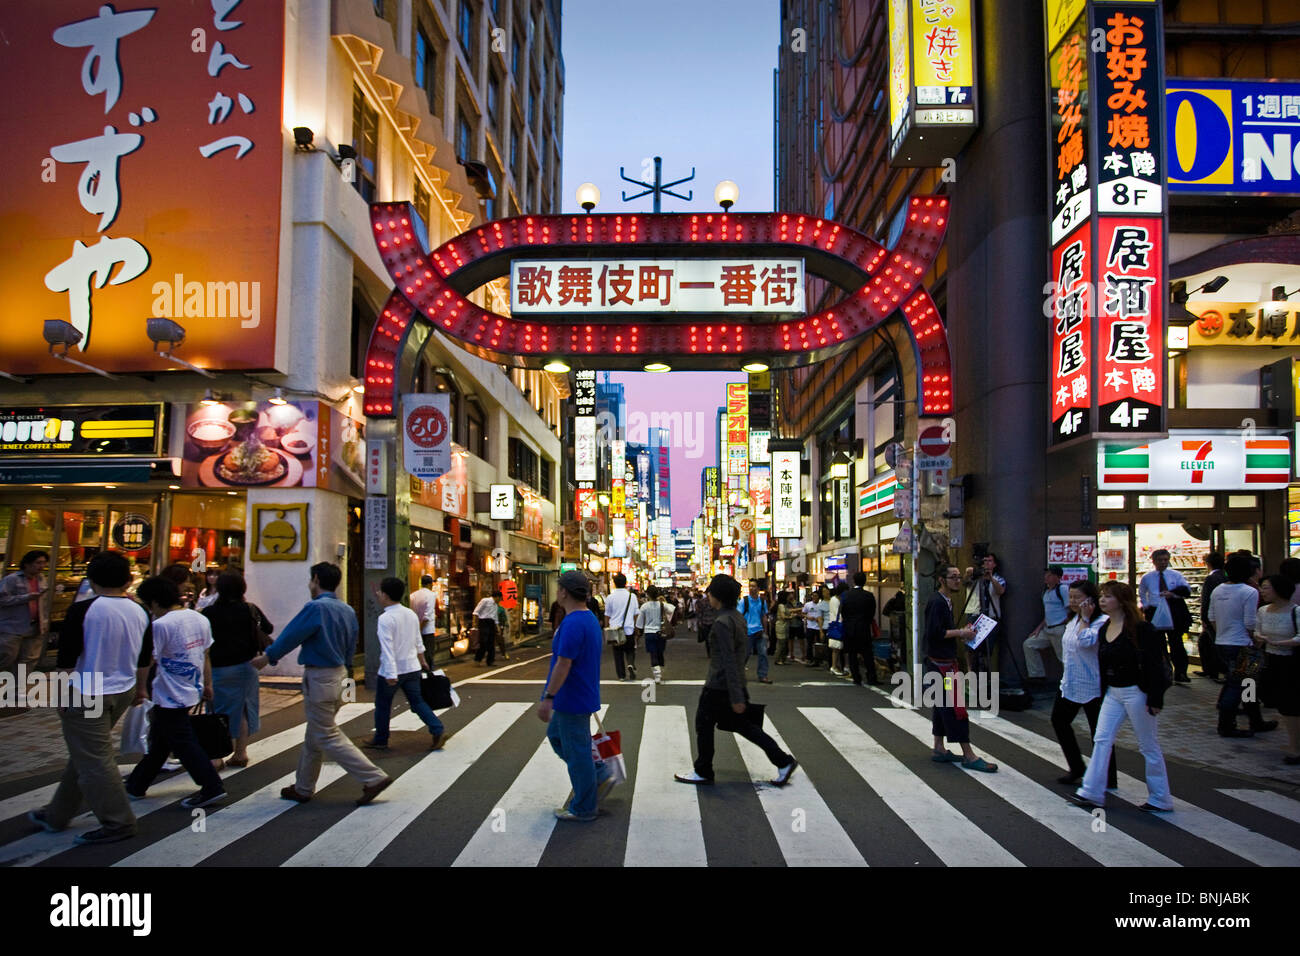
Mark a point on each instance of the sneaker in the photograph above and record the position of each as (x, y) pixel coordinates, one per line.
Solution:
(438, 740)
(658, 675)
(171, 763)
(836, 671)
(568, 816)
(203, 800)
(372, 744)
(38, 817)
(785, 773)
(691, 777)
(135, 796)
(1084, 802)
(631, 672)
(105, 835)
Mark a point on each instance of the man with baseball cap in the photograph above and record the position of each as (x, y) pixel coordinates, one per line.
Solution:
(1056, 611)
(572, 695)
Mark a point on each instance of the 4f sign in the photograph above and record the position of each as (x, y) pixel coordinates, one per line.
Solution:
(1129, 195)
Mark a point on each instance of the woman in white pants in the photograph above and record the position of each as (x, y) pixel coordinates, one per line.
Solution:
(1131, 655)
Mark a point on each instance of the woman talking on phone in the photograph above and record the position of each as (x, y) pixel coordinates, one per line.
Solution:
(1131, 658)
(1081, 681)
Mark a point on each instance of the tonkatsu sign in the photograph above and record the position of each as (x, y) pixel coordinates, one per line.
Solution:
(684, 291)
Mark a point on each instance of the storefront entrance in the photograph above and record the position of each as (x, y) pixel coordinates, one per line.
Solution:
(73, 533)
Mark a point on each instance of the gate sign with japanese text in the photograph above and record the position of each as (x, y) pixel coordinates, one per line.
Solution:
(125, 146)
(426, 435)
(637, 286)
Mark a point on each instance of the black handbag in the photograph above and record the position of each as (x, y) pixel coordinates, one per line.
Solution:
(212, 730)
(436, 690)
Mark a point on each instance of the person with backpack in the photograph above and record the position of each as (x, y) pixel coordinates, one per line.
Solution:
(1050, 630)
(1134, 677)
(754, 611)
(651, 619)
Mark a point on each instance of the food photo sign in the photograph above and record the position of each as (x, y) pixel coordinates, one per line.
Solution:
(268, 445)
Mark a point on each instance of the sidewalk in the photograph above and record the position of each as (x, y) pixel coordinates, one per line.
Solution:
(1188, 733)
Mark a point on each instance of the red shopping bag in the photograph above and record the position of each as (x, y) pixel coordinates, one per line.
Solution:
(607, 746)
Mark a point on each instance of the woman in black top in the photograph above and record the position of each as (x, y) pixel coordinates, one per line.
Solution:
(237, 629)
(1132, 660)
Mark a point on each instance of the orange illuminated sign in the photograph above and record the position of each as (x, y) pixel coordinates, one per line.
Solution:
(144, 157)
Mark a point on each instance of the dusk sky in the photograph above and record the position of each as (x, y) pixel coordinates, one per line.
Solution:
(691, 82)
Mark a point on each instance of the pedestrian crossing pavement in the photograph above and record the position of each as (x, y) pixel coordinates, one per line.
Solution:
(866, 793)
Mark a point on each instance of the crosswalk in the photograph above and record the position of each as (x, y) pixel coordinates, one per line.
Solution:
(866, 794)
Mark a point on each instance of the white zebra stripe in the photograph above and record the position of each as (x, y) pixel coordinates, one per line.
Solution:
(665, 827)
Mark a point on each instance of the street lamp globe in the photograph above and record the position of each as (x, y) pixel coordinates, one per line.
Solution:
(588, 196)
(726, 193)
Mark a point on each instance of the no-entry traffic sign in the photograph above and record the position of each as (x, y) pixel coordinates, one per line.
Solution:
(933, 443)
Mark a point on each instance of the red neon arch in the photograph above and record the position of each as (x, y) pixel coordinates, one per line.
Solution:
(426, 291)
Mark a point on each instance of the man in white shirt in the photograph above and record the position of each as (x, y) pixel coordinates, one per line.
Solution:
(620, 618)
(485, 616)
(100, 642)
(1162, 593)
(812, 617)
(400, 661)
(425, 605)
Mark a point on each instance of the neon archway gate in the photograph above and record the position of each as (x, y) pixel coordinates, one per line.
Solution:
(431, 288)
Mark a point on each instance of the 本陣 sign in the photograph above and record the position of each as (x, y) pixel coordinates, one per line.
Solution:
(1245, 323)
(1130, 332)
(126, 145)
(669, 285)
(80, 430)
(1197, 462)
(1071, 337)
(1233, 136)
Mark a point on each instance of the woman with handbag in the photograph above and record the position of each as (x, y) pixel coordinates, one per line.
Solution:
(650, 620)
(1279, 625)
(1232, 612)
(1131, 657)
(783, 627)
(240, 631)
(180, 641)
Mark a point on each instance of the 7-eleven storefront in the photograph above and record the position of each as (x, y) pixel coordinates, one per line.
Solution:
(1191, 493)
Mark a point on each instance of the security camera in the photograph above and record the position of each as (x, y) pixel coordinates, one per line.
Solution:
(165, 330)
(59, 332)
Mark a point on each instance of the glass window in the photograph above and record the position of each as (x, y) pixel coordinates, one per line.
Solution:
(1110, 502)
(1243, 501)
(422, 200)
(493, 86)
(365, 140)
(514, 154)
(213, 524)
(514, 58)
(462, 136)
(379, 7)
(465, 29)
(476, 431)
(426, 69)
(1175, 501)
(547, 469)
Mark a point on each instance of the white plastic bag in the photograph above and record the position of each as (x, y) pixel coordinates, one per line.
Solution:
(135, 730)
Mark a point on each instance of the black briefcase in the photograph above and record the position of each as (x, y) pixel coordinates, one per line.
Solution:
(436, 690)
(212, 730)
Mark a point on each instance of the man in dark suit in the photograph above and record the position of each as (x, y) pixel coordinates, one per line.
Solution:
(858, 611)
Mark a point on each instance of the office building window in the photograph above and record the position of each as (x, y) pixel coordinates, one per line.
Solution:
(514, 58)
(465, 28)
(426, 69)
(476, 429)
(547, 470)
(365, 140)
(462, 136)
(523, 463)
(493, 93)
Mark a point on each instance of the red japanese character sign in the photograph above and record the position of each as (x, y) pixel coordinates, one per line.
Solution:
(1130, 331)
(1071, 336)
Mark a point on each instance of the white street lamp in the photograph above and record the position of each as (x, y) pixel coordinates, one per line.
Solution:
(588, 196)
(725, 194)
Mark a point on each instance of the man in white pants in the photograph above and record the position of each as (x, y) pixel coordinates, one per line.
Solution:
(1056, 611)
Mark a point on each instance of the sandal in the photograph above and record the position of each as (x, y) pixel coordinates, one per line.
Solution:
(946, 757)
(980, 764)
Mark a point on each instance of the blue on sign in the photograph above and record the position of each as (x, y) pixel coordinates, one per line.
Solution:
(1233, 136)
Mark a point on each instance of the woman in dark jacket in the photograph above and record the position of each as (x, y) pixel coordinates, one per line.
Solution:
(237, 629)
(724, 699)
(1132, 661)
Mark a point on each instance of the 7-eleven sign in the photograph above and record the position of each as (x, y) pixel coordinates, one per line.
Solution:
(1202, 462)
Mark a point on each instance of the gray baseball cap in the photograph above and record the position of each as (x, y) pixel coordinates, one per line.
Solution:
(575, 582)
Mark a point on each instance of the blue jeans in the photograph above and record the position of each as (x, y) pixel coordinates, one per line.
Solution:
(570, 737)
(410, 686)
(758, 645)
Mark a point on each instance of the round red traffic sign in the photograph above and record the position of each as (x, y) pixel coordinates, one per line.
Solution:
(932, 442)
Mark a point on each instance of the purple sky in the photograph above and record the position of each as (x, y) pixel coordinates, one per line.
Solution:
(691, 82)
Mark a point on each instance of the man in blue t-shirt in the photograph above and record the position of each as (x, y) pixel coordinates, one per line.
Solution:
(754, 610)
(572, 695)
